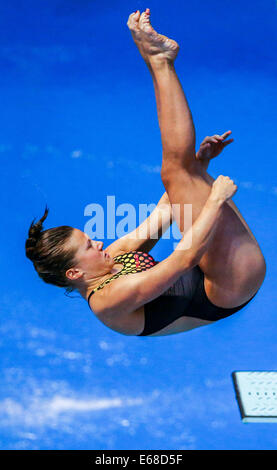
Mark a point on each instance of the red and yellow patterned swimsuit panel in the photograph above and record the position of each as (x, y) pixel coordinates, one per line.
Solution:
(133, 262)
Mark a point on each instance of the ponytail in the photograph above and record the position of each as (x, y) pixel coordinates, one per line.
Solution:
(49, 252)
(34, 235)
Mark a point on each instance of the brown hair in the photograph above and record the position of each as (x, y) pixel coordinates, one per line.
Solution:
(46, 249)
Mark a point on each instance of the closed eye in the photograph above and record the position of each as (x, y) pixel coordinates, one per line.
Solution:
(89, 244)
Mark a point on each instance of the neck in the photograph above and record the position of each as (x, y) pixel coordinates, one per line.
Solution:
(96, 281)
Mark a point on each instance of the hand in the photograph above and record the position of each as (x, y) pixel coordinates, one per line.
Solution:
(212, 146)
(223, 188)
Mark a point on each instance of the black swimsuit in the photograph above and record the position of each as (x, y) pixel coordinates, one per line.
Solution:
(185, 298)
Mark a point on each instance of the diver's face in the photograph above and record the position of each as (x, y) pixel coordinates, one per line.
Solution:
(90, 257)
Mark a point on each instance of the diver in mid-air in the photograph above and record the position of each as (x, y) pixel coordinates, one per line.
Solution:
(129, 291)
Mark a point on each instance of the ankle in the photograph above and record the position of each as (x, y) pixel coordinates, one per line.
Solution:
(159, 62)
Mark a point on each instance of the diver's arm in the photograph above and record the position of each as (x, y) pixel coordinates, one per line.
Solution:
(148, 233)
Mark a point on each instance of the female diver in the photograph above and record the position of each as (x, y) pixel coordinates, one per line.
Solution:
(128, 291)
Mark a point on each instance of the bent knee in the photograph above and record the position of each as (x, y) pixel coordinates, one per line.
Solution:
(169, 172)
(173, 171)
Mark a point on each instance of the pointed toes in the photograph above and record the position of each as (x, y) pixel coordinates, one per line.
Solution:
(144, 20)
(133, 20)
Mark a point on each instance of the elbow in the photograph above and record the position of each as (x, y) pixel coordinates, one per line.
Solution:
(185, 260)
(192, 259)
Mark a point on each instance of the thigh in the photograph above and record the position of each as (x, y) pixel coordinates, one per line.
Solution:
(233, 264)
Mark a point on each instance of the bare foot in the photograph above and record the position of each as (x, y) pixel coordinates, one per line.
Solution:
(149, 42)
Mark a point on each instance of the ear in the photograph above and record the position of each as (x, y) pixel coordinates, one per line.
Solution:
(73, 274)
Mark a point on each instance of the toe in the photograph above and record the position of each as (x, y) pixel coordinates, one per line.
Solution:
(136, 16)
(133, 20)
(144, 21)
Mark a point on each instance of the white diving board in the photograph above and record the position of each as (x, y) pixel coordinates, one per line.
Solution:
(256, 393)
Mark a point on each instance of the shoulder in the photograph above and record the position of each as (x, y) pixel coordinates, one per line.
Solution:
(118, 296)
(114, 308)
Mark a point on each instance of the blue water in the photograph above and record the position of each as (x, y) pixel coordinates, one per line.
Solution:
(79, 123)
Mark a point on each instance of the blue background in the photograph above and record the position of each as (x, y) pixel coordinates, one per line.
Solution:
(78, 123)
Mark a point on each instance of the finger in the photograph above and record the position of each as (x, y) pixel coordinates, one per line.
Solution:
(227, 142)
(216, 136)
(226, 134)
(210, 139)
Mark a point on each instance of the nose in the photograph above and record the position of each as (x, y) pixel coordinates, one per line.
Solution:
(100, 245)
